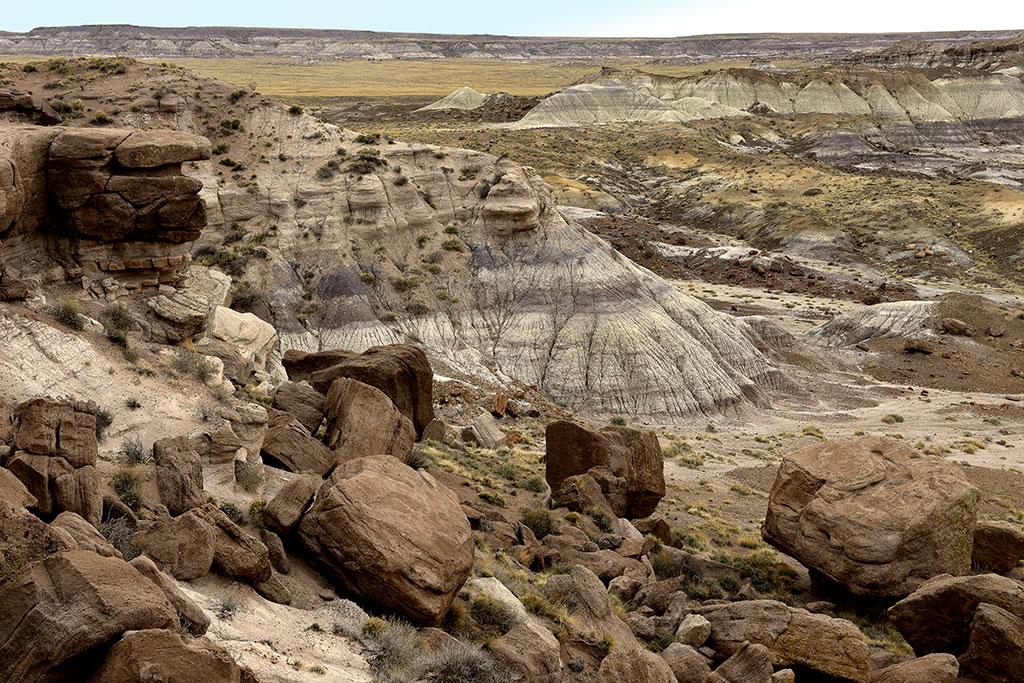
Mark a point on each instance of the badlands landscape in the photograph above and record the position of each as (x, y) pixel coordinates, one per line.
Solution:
(349, 356)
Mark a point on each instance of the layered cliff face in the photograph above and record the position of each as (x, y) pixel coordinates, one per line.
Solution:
(881, 95)
(997, 56)
(348, 241)
(147, 41)
(94, 205)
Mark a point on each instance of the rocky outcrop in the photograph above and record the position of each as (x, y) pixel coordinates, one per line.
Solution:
(362, 420)
(112, 203)
(391, 534)
(996, 649)
(401, 371)
(179, 474)
(176, 659)
(998, 546)
(68, 604)
(302, 402)
(937, 616)
(626, 464)
(794, 637)
(285, 510)
(236, 552)
(183, 546)
(55, 456)
(934, 668)
(872, 514)
(289, 444)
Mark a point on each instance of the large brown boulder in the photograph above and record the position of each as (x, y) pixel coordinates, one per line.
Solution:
(872, 514)
(68, 604)
(393, 535)
(362, 420)
(401, 371)
(287, 442)
(531, 650)
(634, 664)
(25, 540)
(39, 474)
(62, 428)
(12, 491)
(302, 402)
(996, 650)
(750, 664)
(79, 492)
(284, 510)
(154, 655)
(179, 474)
(191, 617)
(933, 668)
(626, 463)
(183, 545)
(236, 552)
(998, 546)
(937, 616)
(84, 534)
(794, 637)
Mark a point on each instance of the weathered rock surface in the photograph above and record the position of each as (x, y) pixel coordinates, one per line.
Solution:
(872, 514)
(634, 664)
(236, 552)
(688, 665)
(401, 371)
(179, 474)
(183, 546)
(392, 534)
(85, 535)
(998, 546)
(61, 428)
(996, 649)
(626, 463)
(937, 616)
(66, 605)
(531, 650)
(362, 420)
(191, 617)
(284, 510)
(288, 443)
(157, 655)
(934, 668)
(484, 432)
(794, 637)
(254, 339)
(302, 402)
(749, 664)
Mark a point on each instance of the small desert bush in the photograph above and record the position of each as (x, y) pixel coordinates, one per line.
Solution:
(601, 518)
(892, 419)
(119, 534)
(490, 613)
(418, 459)
(256, 510)
(618, 420)
(463, 663)
(133, 450)
(538, 520)
(127, 484)
(104, 419)
(67, 314)
(226, 607)
(233, 512)
(295, 110)
(116, 322)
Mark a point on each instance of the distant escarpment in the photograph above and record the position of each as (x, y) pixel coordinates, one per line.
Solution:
(96, 204)
(214, 41)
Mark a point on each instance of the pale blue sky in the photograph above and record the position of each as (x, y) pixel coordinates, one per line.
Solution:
(531, 17)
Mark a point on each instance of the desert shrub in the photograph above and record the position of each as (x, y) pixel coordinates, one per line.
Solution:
(490, 613)
(404, 284)
(256, 509)
(469, 172)
(133, 450)
(495, 499)
(367, 278)
(418, 459)
(601, 518)
(462, 663)
(116, 323)
(367, 161)
(119, 534)
(221, 148)
(374, 626)
(325, 172)
(534, 484)
(538, 520)
(127, 484)
(392, 650)
(892, 418)
(813, 192)
(104, 419)
(295, 110)
(233, 512)
(236, 95)
(667, 566)
(368, 138)
(190, 362)
(67, 314)
(132, 403)
(453, 245)
(762, 569)
(101, 118)
(401, 180)
(618, 420)
(29, 68)
(227, 606)
(245, 298)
